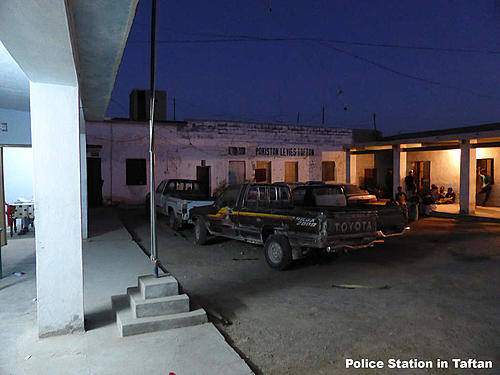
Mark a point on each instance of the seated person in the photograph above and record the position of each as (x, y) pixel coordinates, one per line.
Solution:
(401, 197)
(450, 196)
(428, 203)
(434, 193)
(441, 192)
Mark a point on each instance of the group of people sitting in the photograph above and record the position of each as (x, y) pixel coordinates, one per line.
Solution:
(434, 196)
(426, 199)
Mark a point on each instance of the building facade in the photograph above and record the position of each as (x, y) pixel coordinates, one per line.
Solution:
(221, 152)
(447, 157)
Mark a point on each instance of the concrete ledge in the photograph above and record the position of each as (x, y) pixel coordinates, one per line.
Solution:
(464, 217)
(155, 287)
(156, 306)
(129, 325)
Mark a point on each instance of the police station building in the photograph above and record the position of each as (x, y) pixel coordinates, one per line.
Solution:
(217, 152)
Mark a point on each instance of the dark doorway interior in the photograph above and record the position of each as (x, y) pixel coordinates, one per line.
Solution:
(94, 182)
(203, 176)
(370, 178)
(422, 173)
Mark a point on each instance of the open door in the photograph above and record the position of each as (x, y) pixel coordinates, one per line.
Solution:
(422, 173)
(3, 225)
(203, 177)
(94, 182)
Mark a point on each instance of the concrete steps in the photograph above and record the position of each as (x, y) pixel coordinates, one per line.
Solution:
(154, 305)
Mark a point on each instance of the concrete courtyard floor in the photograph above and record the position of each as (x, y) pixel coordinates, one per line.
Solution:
(442, 301)
(112, 262)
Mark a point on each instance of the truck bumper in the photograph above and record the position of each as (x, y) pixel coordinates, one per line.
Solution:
(381, 234)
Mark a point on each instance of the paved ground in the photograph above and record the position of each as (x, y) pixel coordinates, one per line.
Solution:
(442, 302)
(112, 262)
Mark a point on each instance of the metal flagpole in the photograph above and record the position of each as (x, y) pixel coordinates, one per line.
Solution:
(154, 238)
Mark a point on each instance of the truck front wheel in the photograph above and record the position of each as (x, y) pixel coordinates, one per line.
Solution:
(172, 220)
(278, 252)
(200, 232)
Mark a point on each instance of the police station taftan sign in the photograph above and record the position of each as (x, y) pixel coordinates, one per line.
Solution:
(284, 151)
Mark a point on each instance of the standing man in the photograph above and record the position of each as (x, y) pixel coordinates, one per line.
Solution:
(411, 186)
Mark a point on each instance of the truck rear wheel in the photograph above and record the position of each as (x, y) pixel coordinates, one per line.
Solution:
(200, 232)
(278, 252)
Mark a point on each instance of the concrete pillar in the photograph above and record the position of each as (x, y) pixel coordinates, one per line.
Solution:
(467, 178)
(398, 168)
(350, 167)
(58, 207)
(83, 175)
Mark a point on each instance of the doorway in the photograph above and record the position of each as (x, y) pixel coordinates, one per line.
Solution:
(203, 177)
(236, 174)
(370, 178)
(94, 182)
(422, 173)
(291, 171)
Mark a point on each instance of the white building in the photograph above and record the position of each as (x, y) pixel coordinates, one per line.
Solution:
(447, 157)
(223, 151)
(230, 152)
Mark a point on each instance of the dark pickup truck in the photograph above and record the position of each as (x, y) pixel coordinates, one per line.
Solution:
(265, 214)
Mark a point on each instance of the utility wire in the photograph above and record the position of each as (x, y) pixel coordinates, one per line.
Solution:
(406, 75)
(227, 38)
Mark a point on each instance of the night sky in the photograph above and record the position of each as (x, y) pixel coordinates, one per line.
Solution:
(417, 65)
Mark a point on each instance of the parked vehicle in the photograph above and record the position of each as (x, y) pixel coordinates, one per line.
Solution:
(265, 214)
(176, 197)
(390, 219)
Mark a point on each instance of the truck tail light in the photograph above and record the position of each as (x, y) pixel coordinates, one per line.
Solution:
(184, 208)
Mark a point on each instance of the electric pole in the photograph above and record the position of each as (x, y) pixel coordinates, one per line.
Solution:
(323, 115)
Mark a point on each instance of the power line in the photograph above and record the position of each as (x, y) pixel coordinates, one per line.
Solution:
(406, 75)
(231, 38)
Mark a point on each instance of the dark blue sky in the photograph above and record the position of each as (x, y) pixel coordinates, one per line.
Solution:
(248, 78)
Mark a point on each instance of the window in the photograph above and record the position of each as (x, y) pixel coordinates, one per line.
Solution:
(236, 150)
(263, 171)
(229, 196)
(331, 196)
(260, 175)
(263, 196)
(291, 171)
(160, 187)
(284, 193)
(328, 170)
(135, 171)
(251, 197)
(487, 168)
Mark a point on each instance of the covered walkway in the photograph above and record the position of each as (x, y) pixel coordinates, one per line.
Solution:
(112, 262)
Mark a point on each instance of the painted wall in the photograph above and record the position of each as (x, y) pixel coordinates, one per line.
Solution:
(363, 161)
(487, 153)
(18, 127)
(18, 173)
(180, 147)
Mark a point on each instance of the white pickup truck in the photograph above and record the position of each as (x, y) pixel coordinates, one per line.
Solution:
(176, 197)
